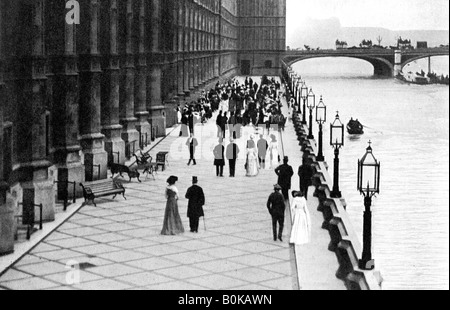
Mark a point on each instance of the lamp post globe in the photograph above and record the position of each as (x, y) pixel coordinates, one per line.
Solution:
(368, 185)
(321, 118)
(337, 142)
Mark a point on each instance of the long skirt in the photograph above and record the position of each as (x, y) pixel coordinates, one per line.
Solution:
(301, 230)
(172, 220)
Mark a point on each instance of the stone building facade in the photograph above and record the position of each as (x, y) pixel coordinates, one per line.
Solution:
(74, 97)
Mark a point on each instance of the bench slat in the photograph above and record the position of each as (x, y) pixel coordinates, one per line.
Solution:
(102, 188)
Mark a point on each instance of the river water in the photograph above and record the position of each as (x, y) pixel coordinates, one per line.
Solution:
(409, 128)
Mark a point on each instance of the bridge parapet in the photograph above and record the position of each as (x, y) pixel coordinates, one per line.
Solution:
(386, 62)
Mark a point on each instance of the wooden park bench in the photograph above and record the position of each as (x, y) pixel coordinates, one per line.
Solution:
(102, 188)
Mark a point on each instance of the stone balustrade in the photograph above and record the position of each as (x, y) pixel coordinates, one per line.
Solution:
(343, 238)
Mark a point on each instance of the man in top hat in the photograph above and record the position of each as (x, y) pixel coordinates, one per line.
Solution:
(196, 199)
(285, 173)
(277, 207)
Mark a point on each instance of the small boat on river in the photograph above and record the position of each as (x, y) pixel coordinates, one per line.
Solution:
(355, 127)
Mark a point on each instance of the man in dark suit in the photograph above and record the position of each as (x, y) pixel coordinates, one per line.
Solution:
(196, 199)
(277, 207)
(306, 173)
(191, 120)
(232, 154)
(285, 173)
(192, 144)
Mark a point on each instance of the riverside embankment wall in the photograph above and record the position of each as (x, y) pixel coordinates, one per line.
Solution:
(344, 241)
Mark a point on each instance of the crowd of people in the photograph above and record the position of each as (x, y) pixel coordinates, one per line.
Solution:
(239, 105)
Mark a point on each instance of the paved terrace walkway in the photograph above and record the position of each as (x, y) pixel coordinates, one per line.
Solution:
(118, 244)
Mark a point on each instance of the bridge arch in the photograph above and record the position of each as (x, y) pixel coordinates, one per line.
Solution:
(381, 66)
(408, 60)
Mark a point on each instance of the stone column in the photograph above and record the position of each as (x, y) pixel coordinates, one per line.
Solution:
(3, 183)
(191, 67)
(140, 105)
(92, 140)
(195, 65)
(154, 99)
(6, 210)
(32, 181)
(186, 75)
(398, 63)
(110, 118)
(179, 47)
(127, 75)
(63, 65)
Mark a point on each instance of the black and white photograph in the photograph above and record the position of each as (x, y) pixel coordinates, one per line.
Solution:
(201, 147)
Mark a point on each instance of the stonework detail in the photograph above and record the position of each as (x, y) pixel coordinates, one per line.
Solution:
(75, 96)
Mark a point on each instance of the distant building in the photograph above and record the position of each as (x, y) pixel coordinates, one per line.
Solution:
(422, 44)
(404, 44)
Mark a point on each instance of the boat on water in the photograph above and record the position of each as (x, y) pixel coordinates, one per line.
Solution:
(416, 78)
(355, 127)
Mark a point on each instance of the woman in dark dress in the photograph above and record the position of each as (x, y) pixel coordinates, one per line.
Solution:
(172, 220)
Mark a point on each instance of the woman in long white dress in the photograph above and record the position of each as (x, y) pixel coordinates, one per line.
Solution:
(252, 163)
(301, 228)
(274, 153)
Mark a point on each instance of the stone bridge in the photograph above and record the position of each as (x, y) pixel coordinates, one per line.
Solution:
(386, 62)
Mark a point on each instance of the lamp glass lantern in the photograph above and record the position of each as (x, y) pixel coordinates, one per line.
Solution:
(337, 133)
(321, 112)
(311, 99)
(369, 174)
(321, 118)
(304, 91)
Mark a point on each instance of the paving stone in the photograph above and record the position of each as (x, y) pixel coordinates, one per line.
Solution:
(115, 270)
(34, 283)
(217, 282)
(144, 279)
(123, 256)
(41, 269)
(71, 242)
(254, 275)
(153, 263)
(13, 274)
(182, 272)
(104, 284)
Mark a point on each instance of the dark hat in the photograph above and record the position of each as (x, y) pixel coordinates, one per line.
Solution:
(277, 187)
(195, 180)
(286, 158)
(172, 180)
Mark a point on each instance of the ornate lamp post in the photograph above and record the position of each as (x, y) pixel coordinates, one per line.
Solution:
(321, 118)
(337, 142)
(293, 80)
(311, 106)
(297, 96)
(304, 95)
(368, 173)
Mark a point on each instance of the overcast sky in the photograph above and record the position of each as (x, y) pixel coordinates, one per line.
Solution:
(391, 14)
